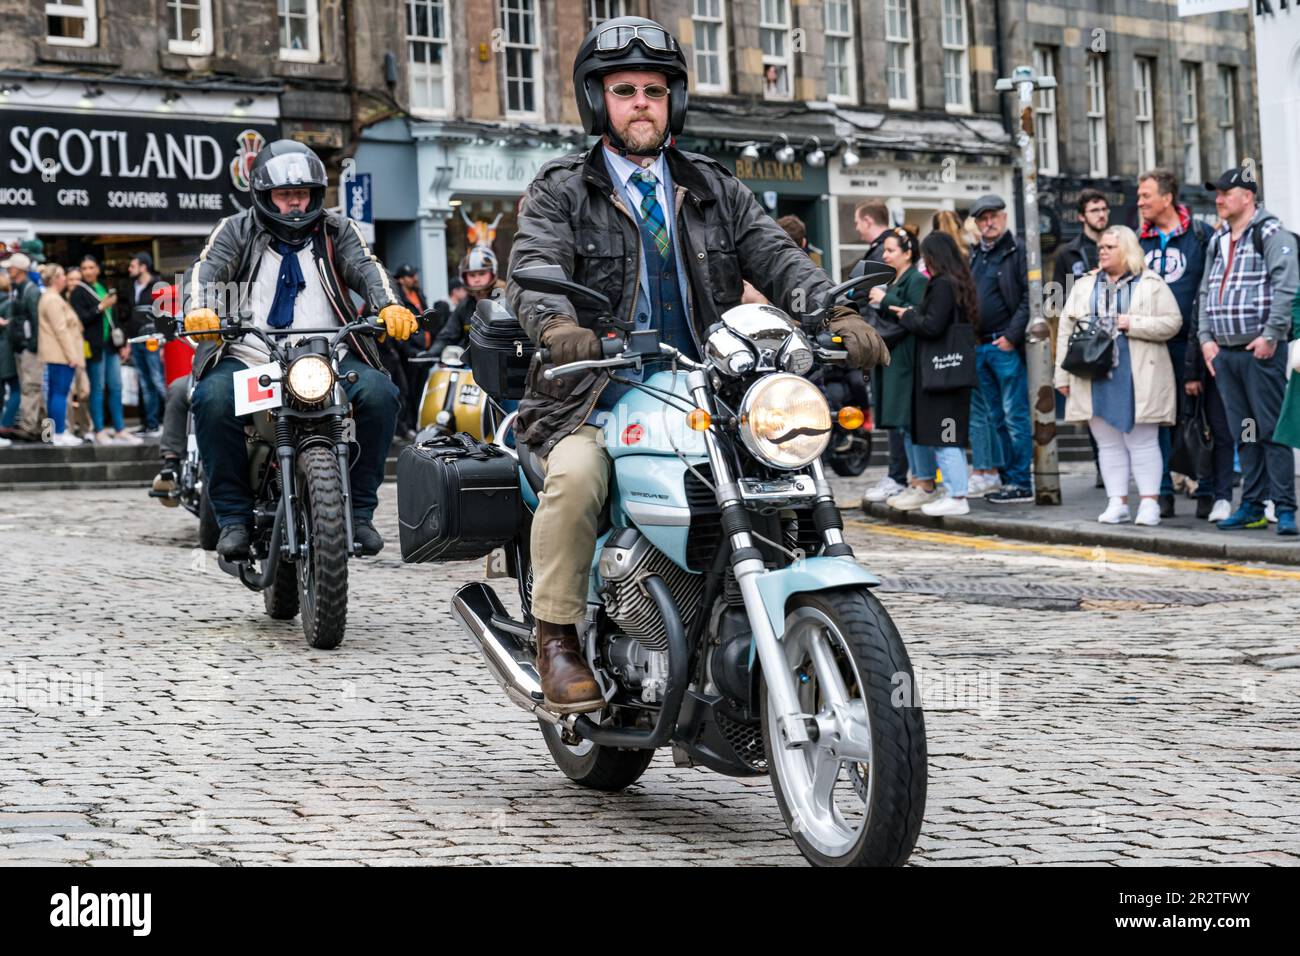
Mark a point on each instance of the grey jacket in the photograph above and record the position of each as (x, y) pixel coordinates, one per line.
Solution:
(1256, 297)
(573, 216)
(218, 279)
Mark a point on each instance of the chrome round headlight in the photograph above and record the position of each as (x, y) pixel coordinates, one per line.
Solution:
(785, 421)
(310, 379)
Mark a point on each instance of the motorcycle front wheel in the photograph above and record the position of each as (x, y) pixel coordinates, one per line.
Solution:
(856, 795)
(323, 570)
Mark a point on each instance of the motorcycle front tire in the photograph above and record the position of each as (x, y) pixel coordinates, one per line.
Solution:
(323, 570)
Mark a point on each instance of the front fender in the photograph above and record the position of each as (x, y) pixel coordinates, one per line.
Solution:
(811, 574)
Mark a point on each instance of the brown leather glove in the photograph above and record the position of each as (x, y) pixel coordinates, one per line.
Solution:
(863, 343)
(569, 342)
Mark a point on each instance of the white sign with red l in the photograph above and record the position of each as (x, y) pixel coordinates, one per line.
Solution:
(251, 395)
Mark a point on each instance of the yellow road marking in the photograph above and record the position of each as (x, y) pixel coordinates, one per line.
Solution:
(1108, 554)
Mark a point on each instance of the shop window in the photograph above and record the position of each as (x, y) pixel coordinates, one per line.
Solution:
(1144, 112)
(956, 57)
(523, 57)
(1189, 99)
(71, 23)
(598, 11)
(299, 30)
(1049, 161)
(1098, 155)
(710, 21)
(900, 67)
(775, 39)
(429, 57)
(1227, 116)
(189, 27)
(841, 81)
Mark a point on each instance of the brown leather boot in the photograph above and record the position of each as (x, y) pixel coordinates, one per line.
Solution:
(567, 682)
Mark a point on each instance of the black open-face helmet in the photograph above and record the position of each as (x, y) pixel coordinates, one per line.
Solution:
(286, 164)
(628, 43)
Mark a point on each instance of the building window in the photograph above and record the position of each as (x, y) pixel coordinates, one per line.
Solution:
(1190, 118)
(71, 23)
(710, 22)
(428, 56)
(189, 27)
(841, 84)
(299, 30)
(523, 59)
(1144, 113)
(598, 11)
(1228, 116)
(774, 38)
(899, 66)
(956, 57)
(1098, 159)
(1049, 160)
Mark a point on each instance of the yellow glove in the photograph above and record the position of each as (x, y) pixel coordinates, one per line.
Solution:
(398, 321)
(200, 320)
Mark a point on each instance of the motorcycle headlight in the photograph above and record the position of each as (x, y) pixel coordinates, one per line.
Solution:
(310, 379)
(785, 421)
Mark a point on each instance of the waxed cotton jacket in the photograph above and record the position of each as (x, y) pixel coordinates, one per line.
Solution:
(574, 216)
(342, 257)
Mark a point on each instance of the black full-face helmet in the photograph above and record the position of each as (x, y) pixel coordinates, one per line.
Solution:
(628, 43)
(286, 164)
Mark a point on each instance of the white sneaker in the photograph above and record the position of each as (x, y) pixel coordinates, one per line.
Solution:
(885, 488)
(1270, 512)
(1221, 510)
(125, 437)
(5, 443)
(1148, 513)
(1117, 512)
(981, 485)
(911, 498)
(945, 506)
(65, 439)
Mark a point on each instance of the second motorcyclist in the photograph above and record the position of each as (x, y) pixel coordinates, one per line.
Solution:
(478, 270)
(667, 236)
(297, 262)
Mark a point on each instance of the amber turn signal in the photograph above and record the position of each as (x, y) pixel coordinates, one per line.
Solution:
(699, 420)
(151, 345)
(851, 418)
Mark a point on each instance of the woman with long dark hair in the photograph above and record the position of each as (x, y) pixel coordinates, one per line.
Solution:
(940, 425)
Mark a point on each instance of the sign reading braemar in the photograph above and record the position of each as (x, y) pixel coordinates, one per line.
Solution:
(129, 168)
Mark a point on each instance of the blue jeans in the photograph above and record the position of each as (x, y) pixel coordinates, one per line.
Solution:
(58, 382)
(153, 389)
(374, 399)
(1004, 382)
(106, 372)
(985, 449)
(10, 413)
(926, 460)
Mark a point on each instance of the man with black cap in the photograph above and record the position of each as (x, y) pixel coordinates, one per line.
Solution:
(1001, 274)
(1243, 318)
(668, 237)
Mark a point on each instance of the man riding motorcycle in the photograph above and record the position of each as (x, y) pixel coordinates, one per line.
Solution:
(296, 262)
(478, 270)
(600, 215)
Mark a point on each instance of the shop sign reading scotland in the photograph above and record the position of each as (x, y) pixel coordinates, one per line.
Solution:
(69, 166)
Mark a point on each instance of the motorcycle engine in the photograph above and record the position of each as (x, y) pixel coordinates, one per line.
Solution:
(626, 560)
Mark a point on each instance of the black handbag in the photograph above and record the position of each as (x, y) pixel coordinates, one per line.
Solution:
(1090, 353)
(888, 328)
(457, 499)
(1193, 451)
(948, 362)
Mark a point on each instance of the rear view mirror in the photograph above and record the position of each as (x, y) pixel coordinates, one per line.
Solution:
(873, 274)
(552, 280)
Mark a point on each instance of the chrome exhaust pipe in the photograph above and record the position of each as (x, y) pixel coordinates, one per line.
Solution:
(478, 609)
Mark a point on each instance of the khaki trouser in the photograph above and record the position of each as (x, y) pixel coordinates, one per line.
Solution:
(31, 375)
(565, 525)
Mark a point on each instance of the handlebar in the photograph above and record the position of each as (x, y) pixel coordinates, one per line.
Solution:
(337, 333)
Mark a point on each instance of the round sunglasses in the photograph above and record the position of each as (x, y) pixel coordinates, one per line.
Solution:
(656, 91)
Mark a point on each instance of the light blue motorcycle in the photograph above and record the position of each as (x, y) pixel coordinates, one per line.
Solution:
(727, 617)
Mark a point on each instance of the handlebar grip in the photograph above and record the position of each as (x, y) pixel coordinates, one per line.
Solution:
(609, 348)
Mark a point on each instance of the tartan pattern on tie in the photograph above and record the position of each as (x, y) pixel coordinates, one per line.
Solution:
(651, 211)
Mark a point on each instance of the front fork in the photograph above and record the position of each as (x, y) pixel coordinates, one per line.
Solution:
(747, 565)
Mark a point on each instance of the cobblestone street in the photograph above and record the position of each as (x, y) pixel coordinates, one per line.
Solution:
(1155, 724)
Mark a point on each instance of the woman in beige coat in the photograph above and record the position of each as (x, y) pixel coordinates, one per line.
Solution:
(1124, 409)
(62, 349)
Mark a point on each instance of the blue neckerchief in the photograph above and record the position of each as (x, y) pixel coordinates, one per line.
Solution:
(288, 284)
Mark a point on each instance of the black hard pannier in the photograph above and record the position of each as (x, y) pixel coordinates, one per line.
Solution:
(499, 351)
(457, 499)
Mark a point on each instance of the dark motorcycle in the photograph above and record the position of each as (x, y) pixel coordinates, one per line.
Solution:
(850, 448)
(298, 460)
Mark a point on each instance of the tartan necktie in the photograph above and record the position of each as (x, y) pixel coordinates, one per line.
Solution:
(651, 211)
